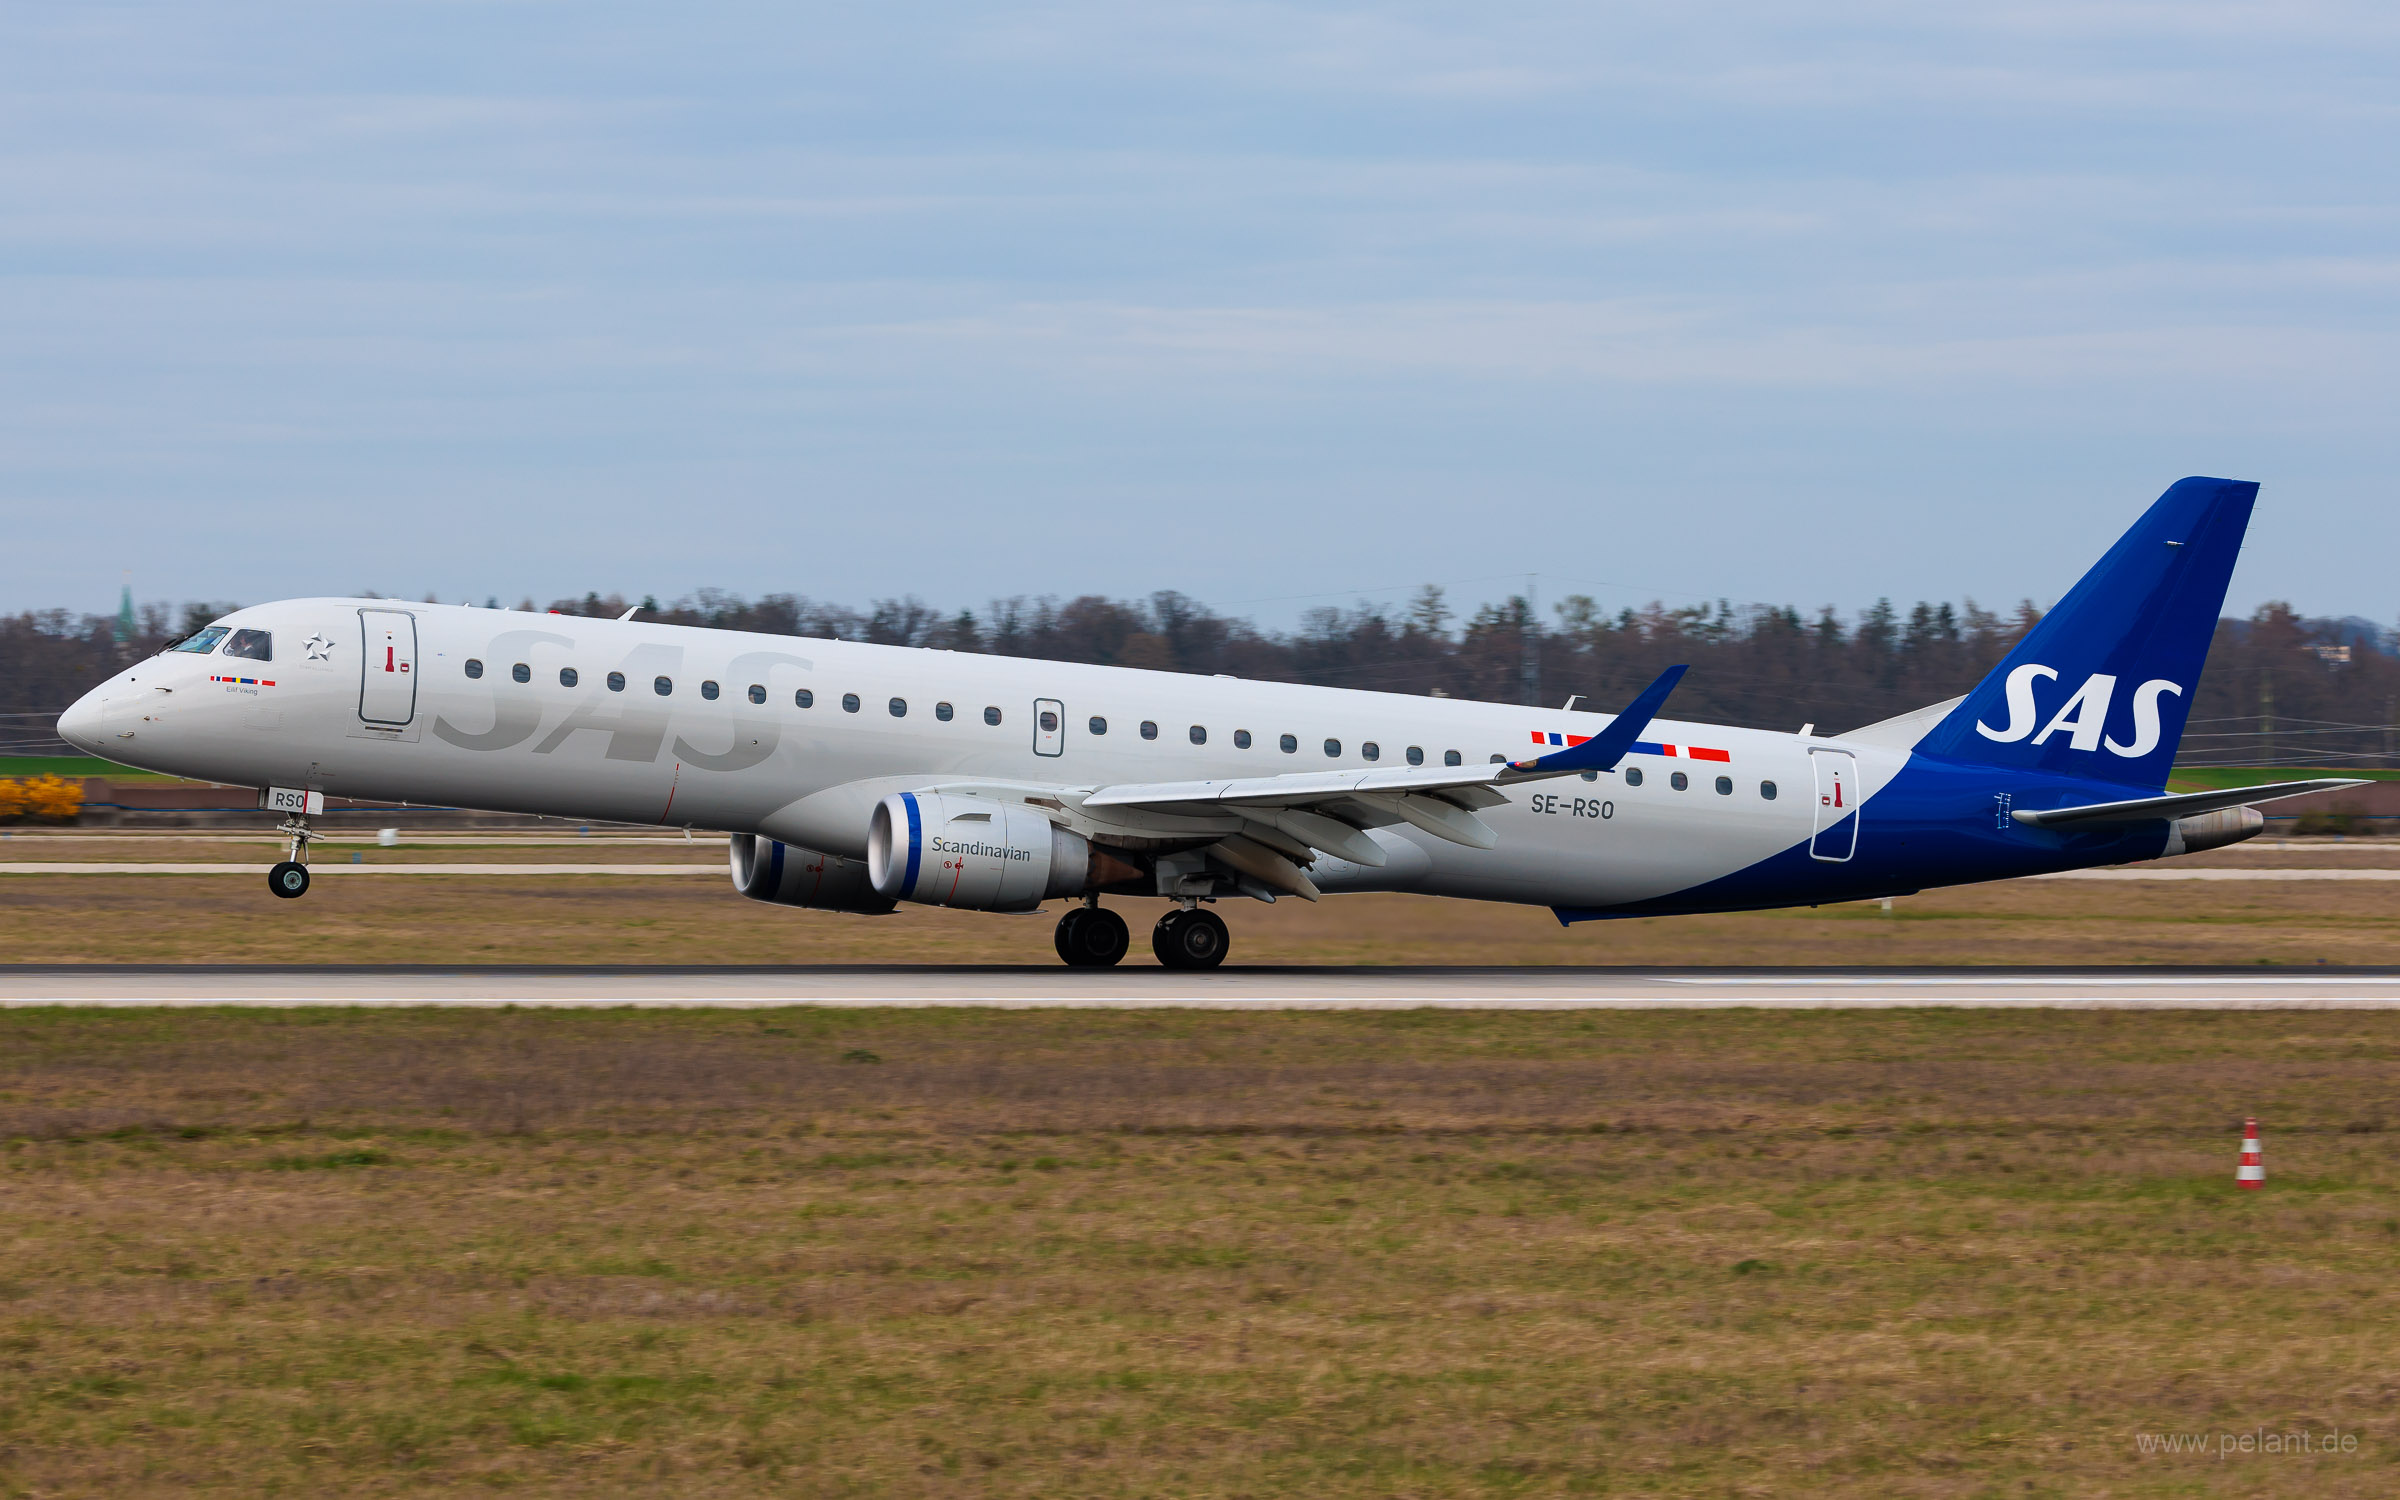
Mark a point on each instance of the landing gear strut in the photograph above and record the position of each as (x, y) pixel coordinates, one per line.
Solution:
(1190, 937)
(1091, 937)
(289, 878)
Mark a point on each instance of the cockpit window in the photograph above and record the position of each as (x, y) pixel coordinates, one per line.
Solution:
(251, 645)
(201, 642)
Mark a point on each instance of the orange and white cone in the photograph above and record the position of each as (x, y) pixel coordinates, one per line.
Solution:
(2252, 1173)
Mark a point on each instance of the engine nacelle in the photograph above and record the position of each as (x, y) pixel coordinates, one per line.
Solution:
(2214, 830)
(788, 875)
(972, 852)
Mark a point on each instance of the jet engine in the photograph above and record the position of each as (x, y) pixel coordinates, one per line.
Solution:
(2228, 825)
(788, 875)
(980, 853)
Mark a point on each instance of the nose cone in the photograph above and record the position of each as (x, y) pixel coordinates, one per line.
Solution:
(80, 725)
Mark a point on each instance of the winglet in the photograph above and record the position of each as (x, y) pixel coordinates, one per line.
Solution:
(1603, 750)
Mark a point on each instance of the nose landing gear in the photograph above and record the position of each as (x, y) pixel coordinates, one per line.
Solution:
(1091, 937)
(1190, 938)
(289, 878)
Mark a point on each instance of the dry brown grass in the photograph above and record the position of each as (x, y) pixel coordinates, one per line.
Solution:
(697, 919)
(1030, 1253)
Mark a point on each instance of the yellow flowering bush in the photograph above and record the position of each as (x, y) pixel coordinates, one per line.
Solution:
(47, 799)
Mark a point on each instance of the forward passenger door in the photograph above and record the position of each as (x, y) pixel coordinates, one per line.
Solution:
(387, 688)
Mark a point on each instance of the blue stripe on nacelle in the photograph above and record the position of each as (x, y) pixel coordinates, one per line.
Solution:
(916, 843)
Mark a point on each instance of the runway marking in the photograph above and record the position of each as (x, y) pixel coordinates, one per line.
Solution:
(220, 867)
(335, 867)
(2214, 874)
(1142, 988)
(1260, 1002)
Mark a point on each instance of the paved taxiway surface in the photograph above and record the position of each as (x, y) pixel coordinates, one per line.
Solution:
(1261, 988)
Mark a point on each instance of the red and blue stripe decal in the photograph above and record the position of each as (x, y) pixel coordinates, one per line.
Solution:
(1640, 747)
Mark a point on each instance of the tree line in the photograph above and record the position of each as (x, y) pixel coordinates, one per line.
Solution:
(2279, 688)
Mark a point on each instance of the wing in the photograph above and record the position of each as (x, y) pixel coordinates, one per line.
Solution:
(1287, 818)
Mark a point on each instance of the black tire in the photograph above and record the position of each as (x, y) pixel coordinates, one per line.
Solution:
(1069, 928)
(1194, 939)
(1101, 941)
(289, 879)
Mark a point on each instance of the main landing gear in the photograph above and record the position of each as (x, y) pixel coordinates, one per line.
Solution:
(1190, 937)
(289, 878)
(1091, 937)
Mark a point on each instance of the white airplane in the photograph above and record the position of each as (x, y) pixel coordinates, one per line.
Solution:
(855, 777)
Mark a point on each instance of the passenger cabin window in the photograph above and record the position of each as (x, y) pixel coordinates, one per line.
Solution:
(1416, 755)
(991, 716)
(1591, 775)
(616, 681)
(1766, 789)
(1149, 729)
(1499, 760)
(1098, 725)
(1049, 722)
(521, 672)
(251, 645)
(849, 703)
(662, 685)
(1724, 786)
(708, 690)
(1199, 735)
(804, 699)
(1241, 739)
(1679, 781)
(899, 707)
(474, 667)
(1289, 744)
(568, 677)
(758, 692)
(200, 643)
(1371, 750)
(1633, 775)
(1452, 758)
(1333, 749)
(943, 711)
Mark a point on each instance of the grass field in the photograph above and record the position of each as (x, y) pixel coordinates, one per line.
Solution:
(2214, 778)
(700, 919)
(74, 766)
(1018, 1254)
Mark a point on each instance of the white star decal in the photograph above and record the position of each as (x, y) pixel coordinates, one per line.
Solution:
(318, 647)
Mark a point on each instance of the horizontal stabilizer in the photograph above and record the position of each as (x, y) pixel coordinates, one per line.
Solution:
(2189, 804)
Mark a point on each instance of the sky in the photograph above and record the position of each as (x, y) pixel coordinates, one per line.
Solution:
(1281, 306)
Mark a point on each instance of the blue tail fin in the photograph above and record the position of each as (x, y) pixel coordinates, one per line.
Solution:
(2101, 687)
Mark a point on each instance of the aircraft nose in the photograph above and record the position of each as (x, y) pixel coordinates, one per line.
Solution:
(80, 724)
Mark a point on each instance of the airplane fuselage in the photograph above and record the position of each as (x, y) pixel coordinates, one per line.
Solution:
(797, 739)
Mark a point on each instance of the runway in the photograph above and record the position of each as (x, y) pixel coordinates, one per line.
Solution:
(716, 870)
(1245, 988)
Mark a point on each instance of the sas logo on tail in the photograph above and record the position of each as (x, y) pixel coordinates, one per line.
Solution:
(2082, 718)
